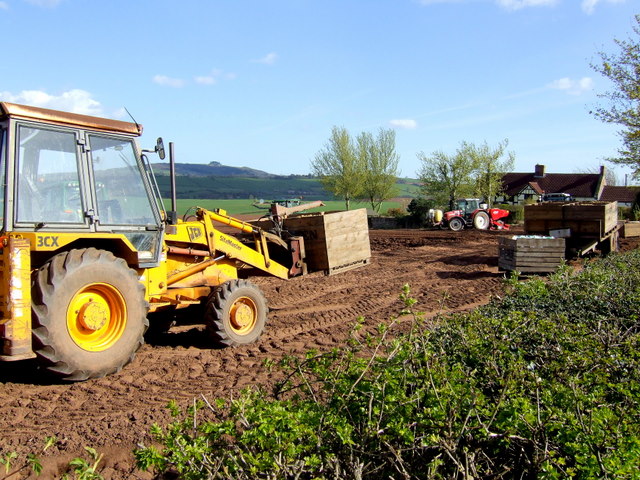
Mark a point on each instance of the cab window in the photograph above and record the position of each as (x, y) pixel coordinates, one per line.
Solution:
(48, 187)
(120, 192)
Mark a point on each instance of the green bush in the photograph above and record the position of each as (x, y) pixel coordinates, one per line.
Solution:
(541, 384)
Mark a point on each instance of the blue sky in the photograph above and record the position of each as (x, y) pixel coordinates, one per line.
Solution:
(260, 83)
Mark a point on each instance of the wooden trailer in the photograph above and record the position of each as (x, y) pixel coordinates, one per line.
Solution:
(557, 231)
(586, 226)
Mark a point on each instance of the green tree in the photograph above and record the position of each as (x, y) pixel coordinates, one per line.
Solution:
(491, 165)
(623, 109)
(447, 177)
(381, 166)
(339, 167)
(418, 210)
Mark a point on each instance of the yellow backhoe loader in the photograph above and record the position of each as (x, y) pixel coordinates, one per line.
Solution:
(87, 250)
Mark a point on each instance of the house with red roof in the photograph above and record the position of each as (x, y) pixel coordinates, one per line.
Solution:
(625, 196)
(530, 187)
(522, 188)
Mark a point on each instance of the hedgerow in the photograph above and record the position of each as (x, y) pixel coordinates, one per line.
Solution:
(543, 383)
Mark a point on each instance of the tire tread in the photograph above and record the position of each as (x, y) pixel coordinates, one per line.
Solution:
(48, 280)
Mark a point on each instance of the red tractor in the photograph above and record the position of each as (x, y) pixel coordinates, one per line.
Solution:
(470, 212)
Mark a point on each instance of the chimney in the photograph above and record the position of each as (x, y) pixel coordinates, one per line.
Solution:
(539, 172)
(602, 181)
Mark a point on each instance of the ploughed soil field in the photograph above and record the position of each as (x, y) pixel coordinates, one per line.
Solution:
(447, 271)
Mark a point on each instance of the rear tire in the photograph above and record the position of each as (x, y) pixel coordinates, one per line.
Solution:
(456, 224)
(236, 313)
(481, 220)
(90, 314)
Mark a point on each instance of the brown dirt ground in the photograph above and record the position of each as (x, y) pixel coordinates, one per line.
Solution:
(447, 271)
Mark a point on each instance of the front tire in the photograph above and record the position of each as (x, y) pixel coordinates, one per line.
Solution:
(236, 313)
(456, 224)
(90, 314)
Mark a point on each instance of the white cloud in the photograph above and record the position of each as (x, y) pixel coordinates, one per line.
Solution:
(572, 87)
(44, 3)
(518, 4)
(589, 6)
(76, 101)
(406, 123)
(268, 59)
(168, 81)
(213, 77)
(206, 80)
(4, 6)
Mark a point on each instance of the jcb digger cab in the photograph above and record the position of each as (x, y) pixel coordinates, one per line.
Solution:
(65, 177)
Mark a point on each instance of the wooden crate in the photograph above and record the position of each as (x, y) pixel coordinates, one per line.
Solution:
(530, 254)
(335, 241)
(585, 219)
(631, 229)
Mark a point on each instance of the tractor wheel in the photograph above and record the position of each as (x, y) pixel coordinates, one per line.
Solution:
(456, 224)
(481, 221)
(90, 314)
(236, 313)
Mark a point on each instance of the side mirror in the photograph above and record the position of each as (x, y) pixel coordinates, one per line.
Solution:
(160, 148)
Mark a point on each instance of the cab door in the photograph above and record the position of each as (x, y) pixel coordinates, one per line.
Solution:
(49, 191)
(122, 196)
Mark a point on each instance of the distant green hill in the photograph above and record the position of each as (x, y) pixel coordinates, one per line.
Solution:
(212, 169)
(219, 181)
(244, 187)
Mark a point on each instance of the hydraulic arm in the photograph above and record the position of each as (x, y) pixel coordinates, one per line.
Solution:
(231, 247)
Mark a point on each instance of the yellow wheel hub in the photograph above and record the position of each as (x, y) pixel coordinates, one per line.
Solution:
(243, 315)
(96, 317)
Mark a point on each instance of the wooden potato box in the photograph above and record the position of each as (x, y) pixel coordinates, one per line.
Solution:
(631, 229)
(530, 254)
(585, 219)
(334, 242)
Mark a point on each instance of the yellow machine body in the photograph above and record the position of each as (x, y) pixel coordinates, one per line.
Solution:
(177, 263)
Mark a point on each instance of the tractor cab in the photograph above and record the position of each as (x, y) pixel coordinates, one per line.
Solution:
(65, 177)
(469, 205)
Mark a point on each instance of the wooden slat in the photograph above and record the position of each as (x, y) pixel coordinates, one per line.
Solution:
(532, 255)
(518, 265)
(543, 211)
